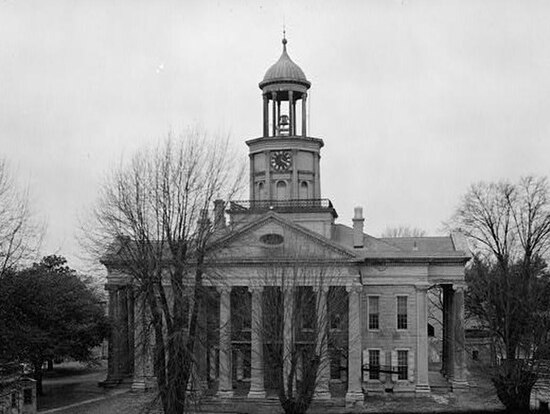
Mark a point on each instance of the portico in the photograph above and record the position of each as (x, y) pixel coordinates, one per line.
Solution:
(289, 288)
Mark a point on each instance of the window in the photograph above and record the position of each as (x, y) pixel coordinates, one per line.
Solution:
(401, 312)
(475, 355)
(374, 315)
(374, 364)
(13, 399)
(281, 190)
(304, 190)
(402, 365)
(261, 191)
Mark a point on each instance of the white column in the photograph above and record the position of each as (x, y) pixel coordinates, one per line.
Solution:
(256, 345)
(355, 391)
(323, 373)
(422, 381)
(458, 358)
(225, 386)
(144, 377)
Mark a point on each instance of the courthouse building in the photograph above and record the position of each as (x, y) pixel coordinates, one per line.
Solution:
(383, 282)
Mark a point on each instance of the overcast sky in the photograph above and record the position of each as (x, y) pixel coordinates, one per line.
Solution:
(415, 100)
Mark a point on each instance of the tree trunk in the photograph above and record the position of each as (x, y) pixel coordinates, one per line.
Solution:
(38, 377)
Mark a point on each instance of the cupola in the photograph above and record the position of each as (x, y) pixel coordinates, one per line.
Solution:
(284, 84)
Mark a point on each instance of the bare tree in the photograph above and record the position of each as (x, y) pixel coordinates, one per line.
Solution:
(20, 235)
(152, 220)
(402, 231)
(509, 226)
(304, 318)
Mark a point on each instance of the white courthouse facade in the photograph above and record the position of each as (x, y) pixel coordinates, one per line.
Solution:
(383, 341)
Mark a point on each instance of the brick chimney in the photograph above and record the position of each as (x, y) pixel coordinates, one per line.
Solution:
(358, 222)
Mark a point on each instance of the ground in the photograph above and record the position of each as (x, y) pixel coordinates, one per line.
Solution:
(72, 388)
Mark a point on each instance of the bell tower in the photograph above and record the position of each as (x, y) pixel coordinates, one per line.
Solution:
(284, 161)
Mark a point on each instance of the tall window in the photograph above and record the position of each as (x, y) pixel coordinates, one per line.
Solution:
(401, 312)
(281, 190)
(304, 190)
(374, 364)
(402, 365)
(261, 191)
(374, 315)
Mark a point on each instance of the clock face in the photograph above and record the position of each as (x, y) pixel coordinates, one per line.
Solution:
(281, 160)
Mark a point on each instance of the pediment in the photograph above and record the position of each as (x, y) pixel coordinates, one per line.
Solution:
(272, 237)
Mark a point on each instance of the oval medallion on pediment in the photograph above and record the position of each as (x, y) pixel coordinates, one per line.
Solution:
(272, 239)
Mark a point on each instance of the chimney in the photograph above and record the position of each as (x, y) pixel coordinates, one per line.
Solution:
(219, 214)
(358, 222)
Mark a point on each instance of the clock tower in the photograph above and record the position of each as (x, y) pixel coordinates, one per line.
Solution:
(284, 161)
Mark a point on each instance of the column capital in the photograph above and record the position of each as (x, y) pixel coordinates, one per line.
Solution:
(223, 289)
(256, 288)
(355, 288)
(459, 287)
(322, 288)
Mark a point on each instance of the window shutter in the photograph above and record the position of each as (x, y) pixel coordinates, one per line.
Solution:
(394, 365)
(382, 363)
(364, 374)
(411, 365)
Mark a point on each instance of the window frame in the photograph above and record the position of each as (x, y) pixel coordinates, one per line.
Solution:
(369, 297)
(373, 351)
(402, 370)
(406, 314)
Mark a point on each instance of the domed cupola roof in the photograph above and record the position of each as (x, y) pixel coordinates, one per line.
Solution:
(285, 71)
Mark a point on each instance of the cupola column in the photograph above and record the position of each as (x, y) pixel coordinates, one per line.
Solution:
(266, 115)
(274, 114)
(304, 115)
(277, 129)
(291, 112)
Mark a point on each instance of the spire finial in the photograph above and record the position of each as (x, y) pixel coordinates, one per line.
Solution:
(284, 37)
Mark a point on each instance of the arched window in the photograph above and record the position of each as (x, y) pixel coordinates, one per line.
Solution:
(304, 190)
(260, 195)
(281, 190)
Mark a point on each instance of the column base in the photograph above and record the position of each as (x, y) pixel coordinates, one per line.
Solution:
(422, 388)
(256, 394)
(459, 385)
(354, 397)
(110, 382)
(322, 395)
(224, 394)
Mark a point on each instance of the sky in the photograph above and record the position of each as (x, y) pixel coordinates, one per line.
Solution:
(415, 100)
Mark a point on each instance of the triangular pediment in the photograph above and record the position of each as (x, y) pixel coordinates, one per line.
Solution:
(272, 237)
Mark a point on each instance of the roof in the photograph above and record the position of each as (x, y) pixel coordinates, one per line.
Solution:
(452, 246)
(284, 70)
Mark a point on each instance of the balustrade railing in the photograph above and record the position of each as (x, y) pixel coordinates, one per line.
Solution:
(264, 205)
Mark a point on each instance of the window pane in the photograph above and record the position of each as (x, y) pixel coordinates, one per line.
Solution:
(374, 364)
(373, 312)
(373, 304)
(401, 312)
(402, 364)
